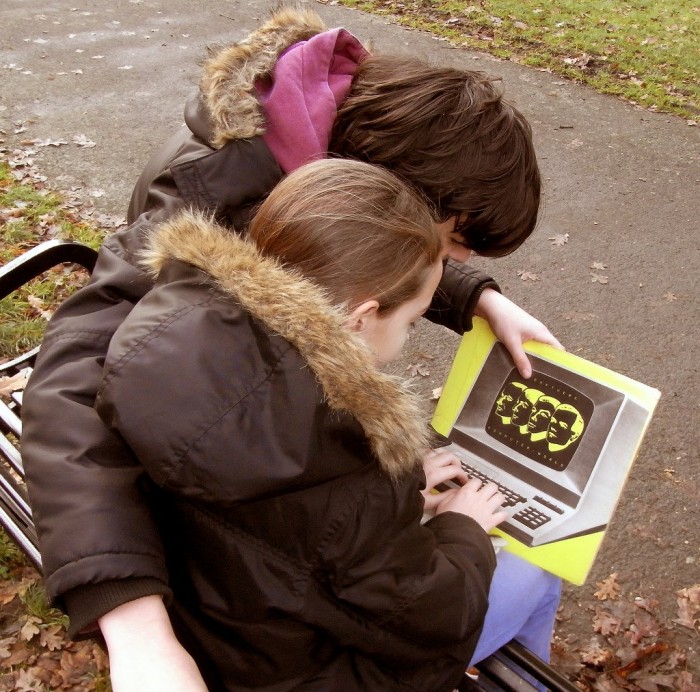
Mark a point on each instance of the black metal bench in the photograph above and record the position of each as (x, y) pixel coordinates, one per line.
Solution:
(501, 671)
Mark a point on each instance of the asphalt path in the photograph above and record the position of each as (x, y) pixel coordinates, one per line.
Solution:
(621, 186)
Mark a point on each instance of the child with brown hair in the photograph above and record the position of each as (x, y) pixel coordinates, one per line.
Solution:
(284, 467)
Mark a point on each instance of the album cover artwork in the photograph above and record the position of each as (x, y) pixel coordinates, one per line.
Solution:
(559, 444)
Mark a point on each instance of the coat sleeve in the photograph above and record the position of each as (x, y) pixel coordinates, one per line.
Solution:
(420, 587)
(93, 523)
(85, 489)
(83, 483)
(457, 295)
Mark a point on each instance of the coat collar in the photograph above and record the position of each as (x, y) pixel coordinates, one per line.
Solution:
(228, 84)
(298, 310)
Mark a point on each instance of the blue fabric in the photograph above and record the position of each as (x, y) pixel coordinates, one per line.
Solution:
(523, 602)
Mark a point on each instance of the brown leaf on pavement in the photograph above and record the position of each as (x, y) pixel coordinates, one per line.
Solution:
(595, 654)
(82, 141)
(684, 682)
(528, 276)
(689, 607)
(418, 369)
(605, 622)
(559, 239)
(644, 625)
(648, 604)
(608, 589)
(653, 682)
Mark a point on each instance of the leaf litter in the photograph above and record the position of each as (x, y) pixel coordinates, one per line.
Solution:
(630, 648)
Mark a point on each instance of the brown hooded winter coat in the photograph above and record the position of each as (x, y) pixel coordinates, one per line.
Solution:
(287, 482)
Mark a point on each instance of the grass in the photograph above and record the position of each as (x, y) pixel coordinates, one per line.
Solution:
(29, 214)
(645, 51)
(10, 555)
(36, 604)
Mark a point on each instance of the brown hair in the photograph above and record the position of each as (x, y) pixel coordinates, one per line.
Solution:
(354, 229)
(449, 133)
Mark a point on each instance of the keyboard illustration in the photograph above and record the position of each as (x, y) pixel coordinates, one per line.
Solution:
(530, 517)
(512, 498)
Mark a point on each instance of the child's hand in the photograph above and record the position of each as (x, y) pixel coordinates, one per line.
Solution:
(440, 465)
(480, 502)
(513, 326)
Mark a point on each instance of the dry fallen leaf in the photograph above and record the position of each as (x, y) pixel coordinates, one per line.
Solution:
(39, 306)
(44, 142)
(644, 625)
(27, 681)
(670, 297)
(605, 684)
(29, 628)
(608, 589)
(599, 266)
(689, 607)
(15, 383)
(650, 605)
(5, 647)
(598, 278)
(528, 276)
(653, 682)
(418, 369)
(437, 393)
(559, 239)
(82, 141)
(605, 622)
(684, 682)
(595, 654)
(52, 637)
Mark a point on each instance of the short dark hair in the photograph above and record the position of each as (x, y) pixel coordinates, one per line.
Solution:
(449, 133)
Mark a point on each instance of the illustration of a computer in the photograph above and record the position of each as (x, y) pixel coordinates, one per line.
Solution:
(551, 443)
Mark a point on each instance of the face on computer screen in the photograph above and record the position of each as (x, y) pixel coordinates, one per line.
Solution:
(507, 398)
(524, 407)
(565, 426)
(541, 414)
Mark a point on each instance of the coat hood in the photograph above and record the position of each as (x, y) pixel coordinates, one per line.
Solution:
(299, 311)
(285, 82)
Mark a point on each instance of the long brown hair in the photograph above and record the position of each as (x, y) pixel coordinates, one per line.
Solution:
(353, 228)
(451, 135)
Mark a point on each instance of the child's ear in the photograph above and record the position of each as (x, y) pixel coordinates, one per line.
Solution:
(364, 314)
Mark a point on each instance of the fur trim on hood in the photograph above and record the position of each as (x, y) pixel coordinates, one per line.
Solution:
(228, 83)
(299, 311)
